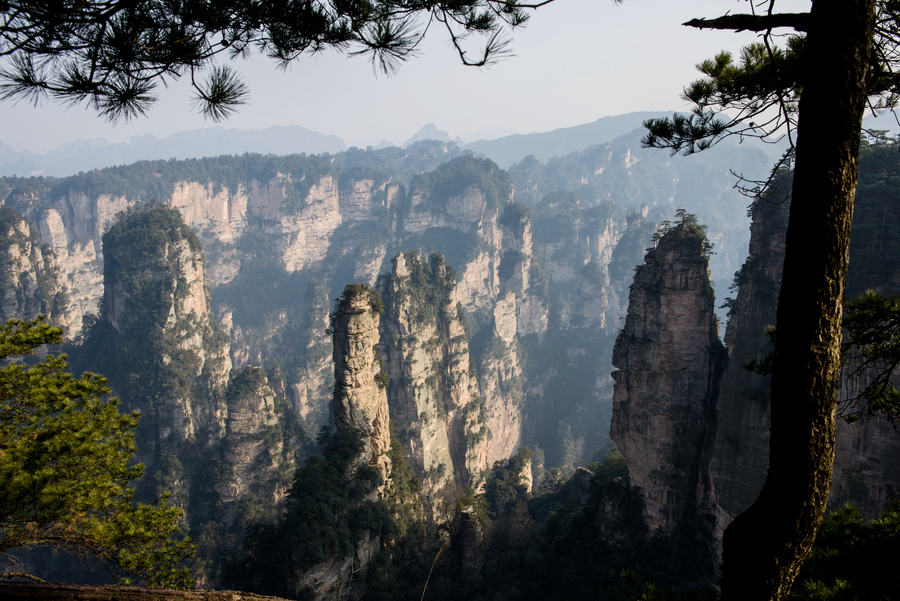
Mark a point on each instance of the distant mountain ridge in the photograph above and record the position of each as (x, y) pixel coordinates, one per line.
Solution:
(509, 150)
(85, 155)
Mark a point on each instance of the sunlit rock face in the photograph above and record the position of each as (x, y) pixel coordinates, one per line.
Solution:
(29, 283)
(435, 404)
(668, 357)
(360, 398)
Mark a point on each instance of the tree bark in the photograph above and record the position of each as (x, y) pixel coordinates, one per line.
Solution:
(766, 545)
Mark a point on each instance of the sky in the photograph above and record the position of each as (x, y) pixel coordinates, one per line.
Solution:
(575, 62)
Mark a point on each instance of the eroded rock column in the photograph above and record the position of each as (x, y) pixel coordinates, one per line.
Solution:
(669, 358)
(360, 396)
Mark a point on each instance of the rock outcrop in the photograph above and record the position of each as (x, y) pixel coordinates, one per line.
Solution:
(866, 452)
(669, 361)
(435, 404)
(360, 379)
(741, 453)
(170, 360)
(252, 444)
(28, 274)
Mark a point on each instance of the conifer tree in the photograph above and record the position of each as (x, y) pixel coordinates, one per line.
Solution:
(65, 468)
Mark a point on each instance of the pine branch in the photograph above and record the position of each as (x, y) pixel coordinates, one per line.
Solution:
(798, 21)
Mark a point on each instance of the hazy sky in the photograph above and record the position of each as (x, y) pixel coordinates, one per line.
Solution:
(576, 61)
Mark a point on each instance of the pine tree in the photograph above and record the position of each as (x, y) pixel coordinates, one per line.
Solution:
(65, 452)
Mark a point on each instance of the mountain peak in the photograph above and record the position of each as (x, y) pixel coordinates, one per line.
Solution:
(428, 132)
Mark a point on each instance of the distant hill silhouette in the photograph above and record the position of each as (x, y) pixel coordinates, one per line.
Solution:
(560, 142)
(428, 132)
(84, 155)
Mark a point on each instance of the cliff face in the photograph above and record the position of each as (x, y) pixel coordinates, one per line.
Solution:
(253, 449)
(28, 274)
(741, 454)
(500, 381)
(213, 436)
(669, 358)
(435, 404)
(360, 396)
(866, 453)
(156, 308)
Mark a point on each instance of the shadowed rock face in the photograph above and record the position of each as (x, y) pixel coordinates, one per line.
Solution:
(867, 453)
(668, 356)
(157, 304)
(741, 454)
(360, 400)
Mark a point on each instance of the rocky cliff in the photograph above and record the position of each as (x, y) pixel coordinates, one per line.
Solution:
(435, 403)
(29, 284)
(866, 452)
(171, 359)
(257, 461)
(224, 442)
(669, 359)
(360, 380)
(741, 452)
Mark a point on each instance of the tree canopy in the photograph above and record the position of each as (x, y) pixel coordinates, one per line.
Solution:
(65, 453)
(757, 94)
(113, 54)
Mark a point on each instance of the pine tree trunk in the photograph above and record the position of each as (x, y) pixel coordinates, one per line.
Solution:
(766, 545)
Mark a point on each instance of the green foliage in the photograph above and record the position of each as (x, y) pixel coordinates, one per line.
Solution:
(90, 55)
(764, 77)
(515, 216)
(402, 163)
(402, 493)
(454, 177)
(327, 514)
(351, 293)
(873, 325)
(427, 288)
(382, 378)
(852, 560)
(245, 383)
(504, 486)
(686, 226)
(146, 181)
(65, 452)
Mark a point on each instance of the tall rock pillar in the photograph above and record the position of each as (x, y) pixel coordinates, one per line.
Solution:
(360, 395)
(669, 358)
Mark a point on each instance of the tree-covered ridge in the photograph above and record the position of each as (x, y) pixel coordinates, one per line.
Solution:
(456, 176)
(66, 468)
(142, 240)
(402, 163)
